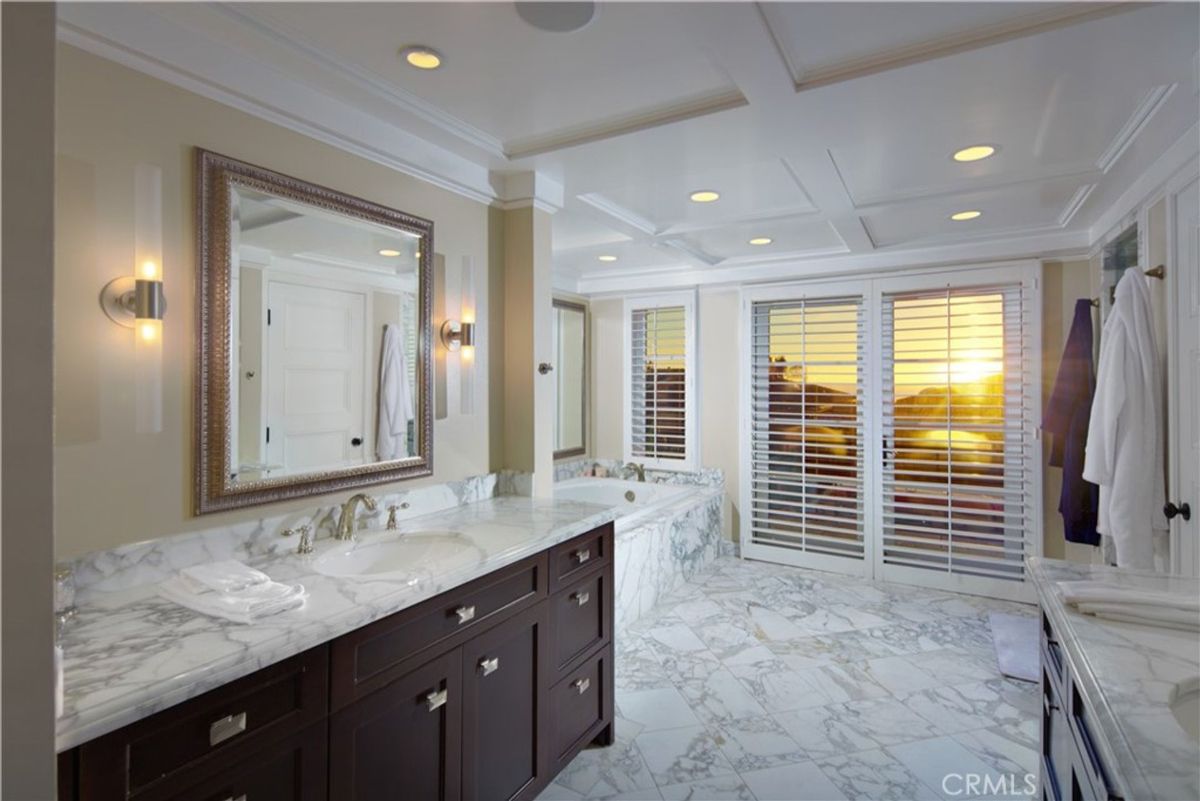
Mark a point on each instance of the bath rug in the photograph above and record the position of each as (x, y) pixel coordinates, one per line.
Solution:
(1016, 639)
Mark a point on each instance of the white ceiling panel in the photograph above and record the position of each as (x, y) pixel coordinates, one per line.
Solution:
(788, 236)
(631, 256)
(1030, 206)
(573, 230)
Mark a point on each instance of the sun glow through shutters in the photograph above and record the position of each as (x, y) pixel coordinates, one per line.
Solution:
(660, 414)
(958, 422)
(806, 426)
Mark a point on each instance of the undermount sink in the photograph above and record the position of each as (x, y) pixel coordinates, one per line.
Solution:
(1185, 706)
(414, 554)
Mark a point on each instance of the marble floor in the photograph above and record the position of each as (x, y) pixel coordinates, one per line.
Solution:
(758, 681)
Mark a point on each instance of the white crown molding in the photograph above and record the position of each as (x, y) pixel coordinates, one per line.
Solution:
(519, 190)
(1179, 157)
(690, 251)
(1047, 245)
(1078, 171)
(368, 80)
(135, 37)
(1075, 204)
(1146, 109)
(984, 36)
(688, 108)
(618, 212)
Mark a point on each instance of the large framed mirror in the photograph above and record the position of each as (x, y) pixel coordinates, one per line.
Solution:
(569, 331)
(314, 344)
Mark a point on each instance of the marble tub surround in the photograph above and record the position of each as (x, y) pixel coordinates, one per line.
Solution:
(1126, 673)
(130, 653)
(578, 468)
(153, 560)
(759, 681)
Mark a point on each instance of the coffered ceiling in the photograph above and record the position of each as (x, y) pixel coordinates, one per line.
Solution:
(827, 128)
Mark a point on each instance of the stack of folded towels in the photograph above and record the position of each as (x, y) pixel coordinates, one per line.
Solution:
(1132, 605)
(232, 591)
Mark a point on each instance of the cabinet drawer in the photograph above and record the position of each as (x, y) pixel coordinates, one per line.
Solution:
(292, 770)
(582, 616)
(580, 706)
(367, 659)
(576, 557)
(183, 745)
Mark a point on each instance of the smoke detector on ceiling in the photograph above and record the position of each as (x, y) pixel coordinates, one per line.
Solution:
(557, 17)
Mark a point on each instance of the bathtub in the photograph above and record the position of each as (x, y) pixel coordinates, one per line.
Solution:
(666, 534)
(638, 501)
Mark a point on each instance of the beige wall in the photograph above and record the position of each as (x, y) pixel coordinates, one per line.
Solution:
(112, 485)
(718, 317)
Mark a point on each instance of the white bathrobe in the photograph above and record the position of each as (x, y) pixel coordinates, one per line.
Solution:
(395, 398)
(1124, 453)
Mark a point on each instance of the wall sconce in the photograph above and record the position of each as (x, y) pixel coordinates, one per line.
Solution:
(137, 301)
(459, 336)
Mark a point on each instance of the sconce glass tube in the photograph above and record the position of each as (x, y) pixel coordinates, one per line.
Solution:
(148, 298)
(467, 338)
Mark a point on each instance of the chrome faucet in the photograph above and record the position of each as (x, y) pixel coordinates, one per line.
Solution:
(639, 470)
(345, 526)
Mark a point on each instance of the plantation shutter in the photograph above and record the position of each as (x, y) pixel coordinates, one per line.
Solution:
(958, 428)
(659, 386)
(806, 427)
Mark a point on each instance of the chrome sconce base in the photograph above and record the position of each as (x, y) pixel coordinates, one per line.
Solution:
(455, 335)
(127, 299)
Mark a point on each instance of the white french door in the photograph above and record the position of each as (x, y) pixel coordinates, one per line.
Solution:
(889, 427)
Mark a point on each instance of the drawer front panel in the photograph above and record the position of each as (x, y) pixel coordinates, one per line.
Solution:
(580, 555)
(293, 770)
(579, 705)
(582, 616)
(371, 657)
(206, 732)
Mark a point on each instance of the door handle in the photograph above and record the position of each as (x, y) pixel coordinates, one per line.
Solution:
(465, 613)
(581, 685)
(1183, 510)
(489, 666)
(580, 598)
(229, 726)
(437, 700)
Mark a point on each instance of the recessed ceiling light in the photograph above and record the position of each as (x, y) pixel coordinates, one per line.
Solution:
(704, 196)
(422, 57)
(761, 240)
(606, 258)
(389, 253)
(974, 153)
(960, 216)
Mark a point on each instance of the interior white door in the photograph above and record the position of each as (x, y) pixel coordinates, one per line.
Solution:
(316, 340)
(1185, 486)
(805, 426)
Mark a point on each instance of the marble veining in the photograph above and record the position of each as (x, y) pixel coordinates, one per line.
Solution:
(153, 560)
(1125, 673)
(130, 653)
(703, 477)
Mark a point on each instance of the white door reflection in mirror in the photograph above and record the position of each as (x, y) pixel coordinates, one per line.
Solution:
(569, 330)
(313, 294)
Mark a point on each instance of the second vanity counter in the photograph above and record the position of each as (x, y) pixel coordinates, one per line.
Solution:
(131, 653)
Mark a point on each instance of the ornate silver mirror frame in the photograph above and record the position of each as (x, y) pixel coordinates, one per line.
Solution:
(215, 490)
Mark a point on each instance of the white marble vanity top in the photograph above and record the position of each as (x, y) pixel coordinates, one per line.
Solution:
(130, 653)
(1126, 673)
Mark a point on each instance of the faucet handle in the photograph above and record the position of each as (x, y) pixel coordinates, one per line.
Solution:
(305, 545)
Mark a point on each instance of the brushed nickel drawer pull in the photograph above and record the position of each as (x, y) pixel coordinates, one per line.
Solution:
(580, 598)
(583, 556)
(465, 613)
(437, 700)
(581, 685)
(229, 726)
(241, 797)
(489, 666)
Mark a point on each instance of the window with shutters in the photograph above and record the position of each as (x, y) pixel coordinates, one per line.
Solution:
(660, 380)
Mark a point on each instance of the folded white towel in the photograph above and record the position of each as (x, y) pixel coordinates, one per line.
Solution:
(226, 576)
(244, 606)
(1100, 592)
(1162, 616)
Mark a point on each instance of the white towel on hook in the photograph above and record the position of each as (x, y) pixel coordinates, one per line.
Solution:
(395, 398)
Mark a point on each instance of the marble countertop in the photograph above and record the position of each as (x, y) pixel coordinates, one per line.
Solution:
(131, 653)
(1126, 673)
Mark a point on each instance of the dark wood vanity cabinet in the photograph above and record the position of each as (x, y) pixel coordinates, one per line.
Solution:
(483, 692)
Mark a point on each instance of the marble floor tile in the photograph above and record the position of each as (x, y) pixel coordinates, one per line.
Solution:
(945, 766)
(802, 781)
(966, 707)
(556, 792)
(719, 697)
(858, 726)
(657, 709)
(722, 788)
(756, 743)
(899, 675)
(957, 666)
(618, 768)
(874, 776)
(680, 756)
(1011, 749)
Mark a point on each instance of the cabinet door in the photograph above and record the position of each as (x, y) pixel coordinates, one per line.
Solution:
(505, 678)
(292, 770)
(403, 741)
